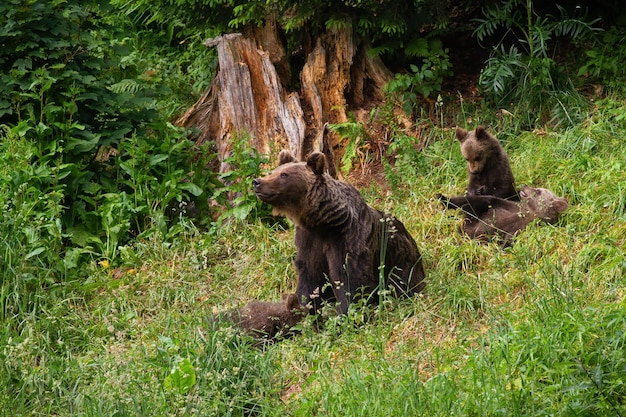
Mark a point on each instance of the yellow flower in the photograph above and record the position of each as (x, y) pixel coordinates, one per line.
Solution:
(104, 263)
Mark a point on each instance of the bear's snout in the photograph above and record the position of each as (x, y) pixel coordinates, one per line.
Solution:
(261, 190)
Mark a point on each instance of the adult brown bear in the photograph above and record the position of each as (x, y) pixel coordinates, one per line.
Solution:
(487, 216)
(341, 241)
(487, 164)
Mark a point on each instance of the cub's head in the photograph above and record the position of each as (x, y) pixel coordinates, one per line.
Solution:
(476, 147)
(543, 203)
(296, 311)
(267, 319)
(286, 188)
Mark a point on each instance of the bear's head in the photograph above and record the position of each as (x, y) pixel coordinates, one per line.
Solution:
(543, 203)
(476, 147)
(286, 188)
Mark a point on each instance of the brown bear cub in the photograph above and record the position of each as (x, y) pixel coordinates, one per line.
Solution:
(487, 216)
(339, 237)
(267, 320)
(487, 163)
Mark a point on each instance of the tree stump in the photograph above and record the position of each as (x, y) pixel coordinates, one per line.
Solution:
(247, 94)
(246, 97)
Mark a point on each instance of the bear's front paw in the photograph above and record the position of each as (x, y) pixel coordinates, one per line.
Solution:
(444, 200)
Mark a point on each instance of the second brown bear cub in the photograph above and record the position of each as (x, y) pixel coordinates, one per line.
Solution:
(487, 163)
(339, 237)
(268, 319)
(493, 216)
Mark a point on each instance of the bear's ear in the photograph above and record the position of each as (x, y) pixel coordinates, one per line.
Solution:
(560, 205)
(285, 156)
(461, 134)
(317, 163)
(481, 133)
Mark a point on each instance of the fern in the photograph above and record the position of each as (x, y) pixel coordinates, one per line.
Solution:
(126, 86)
(526, 75)
(356, 134)
(501, 70)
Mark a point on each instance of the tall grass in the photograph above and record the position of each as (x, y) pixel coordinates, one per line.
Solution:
(534, 329)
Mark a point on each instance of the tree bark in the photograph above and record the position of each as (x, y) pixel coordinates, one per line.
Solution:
(246, 97)
(247, 93)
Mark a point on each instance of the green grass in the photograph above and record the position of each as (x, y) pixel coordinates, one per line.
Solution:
(535, 329)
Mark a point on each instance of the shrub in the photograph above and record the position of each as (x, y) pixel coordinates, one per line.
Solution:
(525, 74)
(114, 167)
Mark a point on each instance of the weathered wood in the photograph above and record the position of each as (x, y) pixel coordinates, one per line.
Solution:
(247, 93)
(325, 78)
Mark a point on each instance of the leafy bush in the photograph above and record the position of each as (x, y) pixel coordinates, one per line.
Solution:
(150, 181)
(423, 80)
(31, 236)
(117, 170)
(244, 164)
(605, 60)
(166, 54)
(525, 75)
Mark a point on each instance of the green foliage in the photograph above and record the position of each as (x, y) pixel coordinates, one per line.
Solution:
(31, 243)
(60, 90)
(393, 27)
(49, 85)
(153, 183)
(182, 377)
(86, 164)
(244, 163)
(423, 81)
(604, 61)
(357, 139)
(409, 161)
(164, 53)
(525, 75)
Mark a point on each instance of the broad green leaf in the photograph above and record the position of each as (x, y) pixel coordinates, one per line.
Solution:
(182, 377)
(191, 187)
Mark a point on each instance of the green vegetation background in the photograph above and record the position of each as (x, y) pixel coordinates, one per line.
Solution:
(108, 286)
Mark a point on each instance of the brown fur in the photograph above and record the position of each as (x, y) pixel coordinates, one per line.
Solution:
(487, 216)
(338, 235)
(269, 319)
(487, 164)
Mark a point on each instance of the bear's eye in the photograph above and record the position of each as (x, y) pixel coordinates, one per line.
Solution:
(283, 175)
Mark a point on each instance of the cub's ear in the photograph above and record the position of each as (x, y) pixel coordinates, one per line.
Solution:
(285, 156)
(291, 301)
(461, 134)
(560, 205)
(317, 163)
(481, 133)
